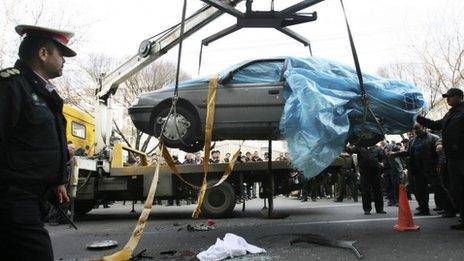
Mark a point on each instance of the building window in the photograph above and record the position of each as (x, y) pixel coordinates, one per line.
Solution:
(78, 130)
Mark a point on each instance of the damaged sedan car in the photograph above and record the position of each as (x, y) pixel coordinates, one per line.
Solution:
(313, 103)
(249, 105)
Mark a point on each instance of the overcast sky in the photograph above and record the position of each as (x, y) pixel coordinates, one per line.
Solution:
(384, 30)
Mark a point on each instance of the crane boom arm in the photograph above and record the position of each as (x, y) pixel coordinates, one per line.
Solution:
(149, 51)
(157, 48)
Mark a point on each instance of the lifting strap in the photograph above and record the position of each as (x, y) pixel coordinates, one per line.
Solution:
(126, 252)
(210, 112)
(364, 95)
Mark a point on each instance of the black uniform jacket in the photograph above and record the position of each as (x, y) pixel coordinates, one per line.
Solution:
(32, 130)
(452, 126)
(369, 157)
(423, 157)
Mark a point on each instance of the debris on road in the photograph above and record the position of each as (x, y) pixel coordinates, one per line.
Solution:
(141, 256)
(320, 240)
(231, 246)
(209, 225)
(168, 252)
(210, 222)
(201, 227)
(102, 245)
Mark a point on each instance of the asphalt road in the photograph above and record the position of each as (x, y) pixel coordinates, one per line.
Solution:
(166, 230)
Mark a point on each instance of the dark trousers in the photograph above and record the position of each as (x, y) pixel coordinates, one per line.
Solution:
(347, 179)
(371, 183)
(392, 179)
(456, 175)
(421, 191)
(22, 234)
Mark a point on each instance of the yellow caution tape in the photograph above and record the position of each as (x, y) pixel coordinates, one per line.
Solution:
(126, 252)
(210, 111)
(230, 166)
(167, 157)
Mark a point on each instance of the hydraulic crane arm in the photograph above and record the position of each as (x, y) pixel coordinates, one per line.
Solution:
(149, 51)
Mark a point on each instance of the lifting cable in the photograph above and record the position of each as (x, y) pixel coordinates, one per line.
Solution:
(364, 95)
(175, 97)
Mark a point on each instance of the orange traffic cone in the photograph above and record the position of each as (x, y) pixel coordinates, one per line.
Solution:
(405, 221)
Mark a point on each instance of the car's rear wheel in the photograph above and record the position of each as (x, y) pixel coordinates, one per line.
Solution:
(219, 201)
(182, 130)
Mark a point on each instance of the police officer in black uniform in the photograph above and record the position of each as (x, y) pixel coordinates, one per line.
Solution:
(452, 127)
(32, 141)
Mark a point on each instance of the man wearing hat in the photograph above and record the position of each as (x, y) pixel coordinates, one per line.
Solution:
(33, 143)
(452, 127)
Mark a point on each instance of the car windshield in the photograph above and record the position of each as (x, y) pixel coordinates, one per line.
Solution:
(259, 72)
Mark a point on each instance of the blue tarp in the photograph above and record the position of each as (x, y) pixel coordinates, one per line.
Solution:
(323, 109)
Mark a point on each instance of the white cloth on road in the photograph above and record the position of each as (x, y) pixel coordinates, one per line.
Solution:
(231, 246)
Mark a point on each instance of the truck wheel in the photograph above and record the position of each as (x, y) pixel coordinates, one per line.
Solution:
(219, 201)
(181, 131)
(82, 207)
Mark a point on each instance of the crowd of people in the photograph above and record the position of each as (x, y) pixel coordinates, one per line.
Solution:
(216, 157)
(376, 172)
(429, 160)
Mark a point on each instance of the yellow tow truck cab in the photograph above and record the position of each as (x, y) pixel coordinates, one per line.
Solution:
(80, 129)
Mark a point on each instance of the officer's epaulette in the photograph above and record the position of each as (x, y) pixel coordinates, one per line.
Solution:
(9, 72)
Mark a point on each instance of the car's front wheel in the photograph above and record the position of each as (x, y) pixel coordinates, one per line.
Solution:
(178, 130)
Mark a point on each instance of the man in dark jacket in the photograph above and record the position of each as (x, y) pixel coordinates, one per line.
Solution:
(392, 170)
(347, 177)
(33, 143)
(423, 163)
(370, 161)
(452, 127)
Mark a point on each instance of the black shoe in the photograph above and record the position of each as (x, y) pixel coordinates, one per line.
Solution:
(367, 212)
(304, 200)
(437, 209)
(441, 212)
(355, 200)
(422, 213)
(381, 212)
(458, 226)
(448, 215)
(338, 200)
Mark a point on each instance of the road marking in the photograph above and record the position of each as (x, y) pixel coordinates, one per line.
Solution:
(335, 205)
(356, 220)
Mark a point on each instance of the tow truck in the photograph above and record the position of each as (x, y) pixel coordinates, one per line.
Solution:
(109, 174)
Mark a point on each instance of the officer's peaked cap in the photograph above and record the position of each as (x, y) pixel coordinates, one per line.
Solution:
(61, 38)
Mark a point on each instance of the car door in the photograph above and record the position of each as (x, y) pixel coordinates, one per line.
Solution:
(250, 100)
